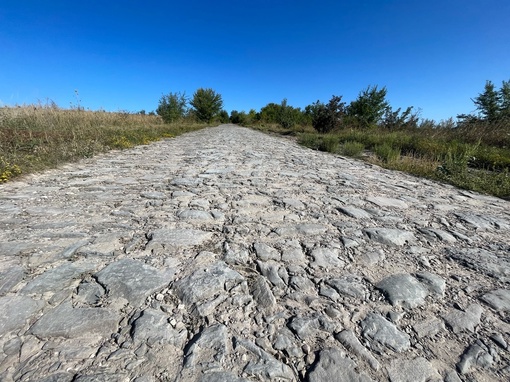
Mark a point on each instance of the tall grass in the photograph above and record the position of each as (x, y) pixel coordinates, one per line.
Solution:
(38, 137)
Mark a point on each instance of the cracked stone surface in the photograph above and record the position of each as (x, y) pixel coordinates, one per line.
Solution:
(230, 255)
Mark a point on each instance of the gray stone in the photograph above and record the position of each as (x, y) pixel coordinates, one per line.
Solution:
(478, 222)
(390, 236)
(334, 365)
(285, 341)
(434, 283)
(438, 234)
(350, 286)
(263, 365)
(177, 238)
(221, 376)
(429, 327)
(460, 321)
(10, 278)
(293, 255)
(387, 202)
(351, 343)
(133, 280)
(481, 260)
(153, 328)
(195, 215)
(16, 311)
(354, 212)
(59, 278)
(271, 271)
(102, 377)
(498, 299)
(302, 284)
(326, 258)
(265, 252)
(308, 229)
(476, 355)
(308, 328)
(153, 195)
(206, 284)
(403, 289)
(211, 346)
(381, 332)
(262, 293)
(68, 322)
(416, 370)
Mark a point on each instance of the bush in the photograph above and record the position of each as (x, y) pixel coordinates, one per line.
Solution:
(326, 118)
(352, 148)
(329, 143)
(172, 107)
(387, 153)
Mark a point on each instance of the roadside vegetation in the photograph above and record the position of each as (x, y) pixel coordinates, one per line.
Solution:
(471, 152)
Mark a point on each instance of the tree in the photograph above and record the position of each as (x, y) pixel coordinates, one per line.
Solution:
(370, 106)
(504, 98)
(327, 117)
(488, 103)
(238, 118)
(223, 116)
(207, 104)
(172, 106)
(396, 119)
(286, 115)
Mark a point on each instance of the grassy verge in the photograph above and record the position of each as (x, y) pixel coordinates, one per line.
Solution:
(35, 138)
(473, 159)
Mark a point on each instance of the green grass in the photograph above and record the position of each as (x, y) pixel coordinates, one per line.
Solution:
(35, 138)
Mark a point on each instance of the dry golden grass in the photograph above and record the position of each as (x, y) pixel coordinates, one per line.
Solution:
(35, 137)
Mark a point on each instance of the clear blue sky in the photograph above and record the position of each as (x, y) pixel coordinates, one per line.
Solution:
(123, 55)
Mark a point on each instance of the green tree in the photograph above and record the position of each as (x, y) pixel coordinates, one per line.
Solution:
(504, 97)
(172, 106)
(369, 107)
(223, 116)
(207, 104)
(397, 119)
(270, 112)
(327, 117)
(488, 103)
(239, 118)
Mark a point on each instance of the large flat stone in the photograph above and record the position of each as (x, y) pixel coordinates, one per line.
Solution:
(334, 365)
(390, 236)
(480, 260)
(133, 280)
(68, 322)
(9, 278)
(153, 328)
(382, 332)
(59, 278)
(206, 284)
(176, 238)
(15, 311)
(403, 289)
(498, 299)
(416, 370)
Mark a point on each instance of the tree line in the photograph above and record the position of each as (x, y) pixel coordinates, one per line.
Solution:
(370, 109)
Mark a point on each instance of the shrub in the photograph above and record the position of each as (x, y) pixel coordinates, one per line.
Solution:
(387, 153)
(329, 143)
(352, 148)
(172, 107)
